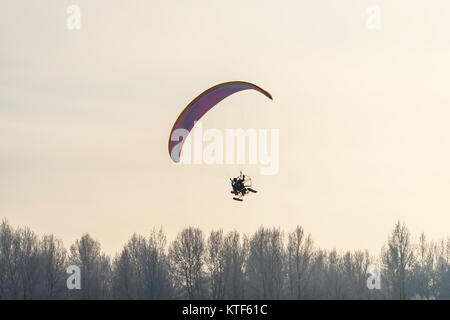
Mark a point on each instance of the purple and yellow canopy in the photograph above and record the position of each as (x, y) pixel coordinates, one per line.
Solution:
(199, 107)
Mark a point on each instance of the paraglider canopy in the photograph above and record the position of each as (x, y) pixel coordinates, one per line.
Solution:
(197, 109)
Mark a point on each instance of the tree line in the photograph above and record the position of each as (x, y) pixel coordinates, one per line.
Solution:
(269, 264)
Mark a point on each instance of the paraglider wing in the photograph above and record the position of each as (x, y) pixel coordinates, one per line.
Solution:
(198, 107)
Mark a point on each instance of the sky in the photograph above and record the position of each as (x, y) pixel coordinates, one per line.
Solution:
(362, 114)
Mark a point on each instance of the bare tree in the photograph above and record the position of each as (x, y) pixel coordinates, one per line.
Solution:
(444, 270)
(354, 268)
(215, 261)
(187, 261)
(318, 284)
(54, 263)
(9, 262)
(124, 277)
(29, 264)
(336, 282)
(360, 263)
(398, 258)
(156, 272)
(300, 253)
(95, 268)
(265, 267)
(235, 256)
(423, 270)
(140, 271)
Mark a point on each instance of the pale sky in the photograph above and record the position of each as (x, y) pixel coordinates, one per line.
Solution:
(363, 115)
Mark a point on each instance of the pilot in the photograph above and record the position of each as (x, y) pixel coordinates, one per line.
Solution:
(239, 184)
